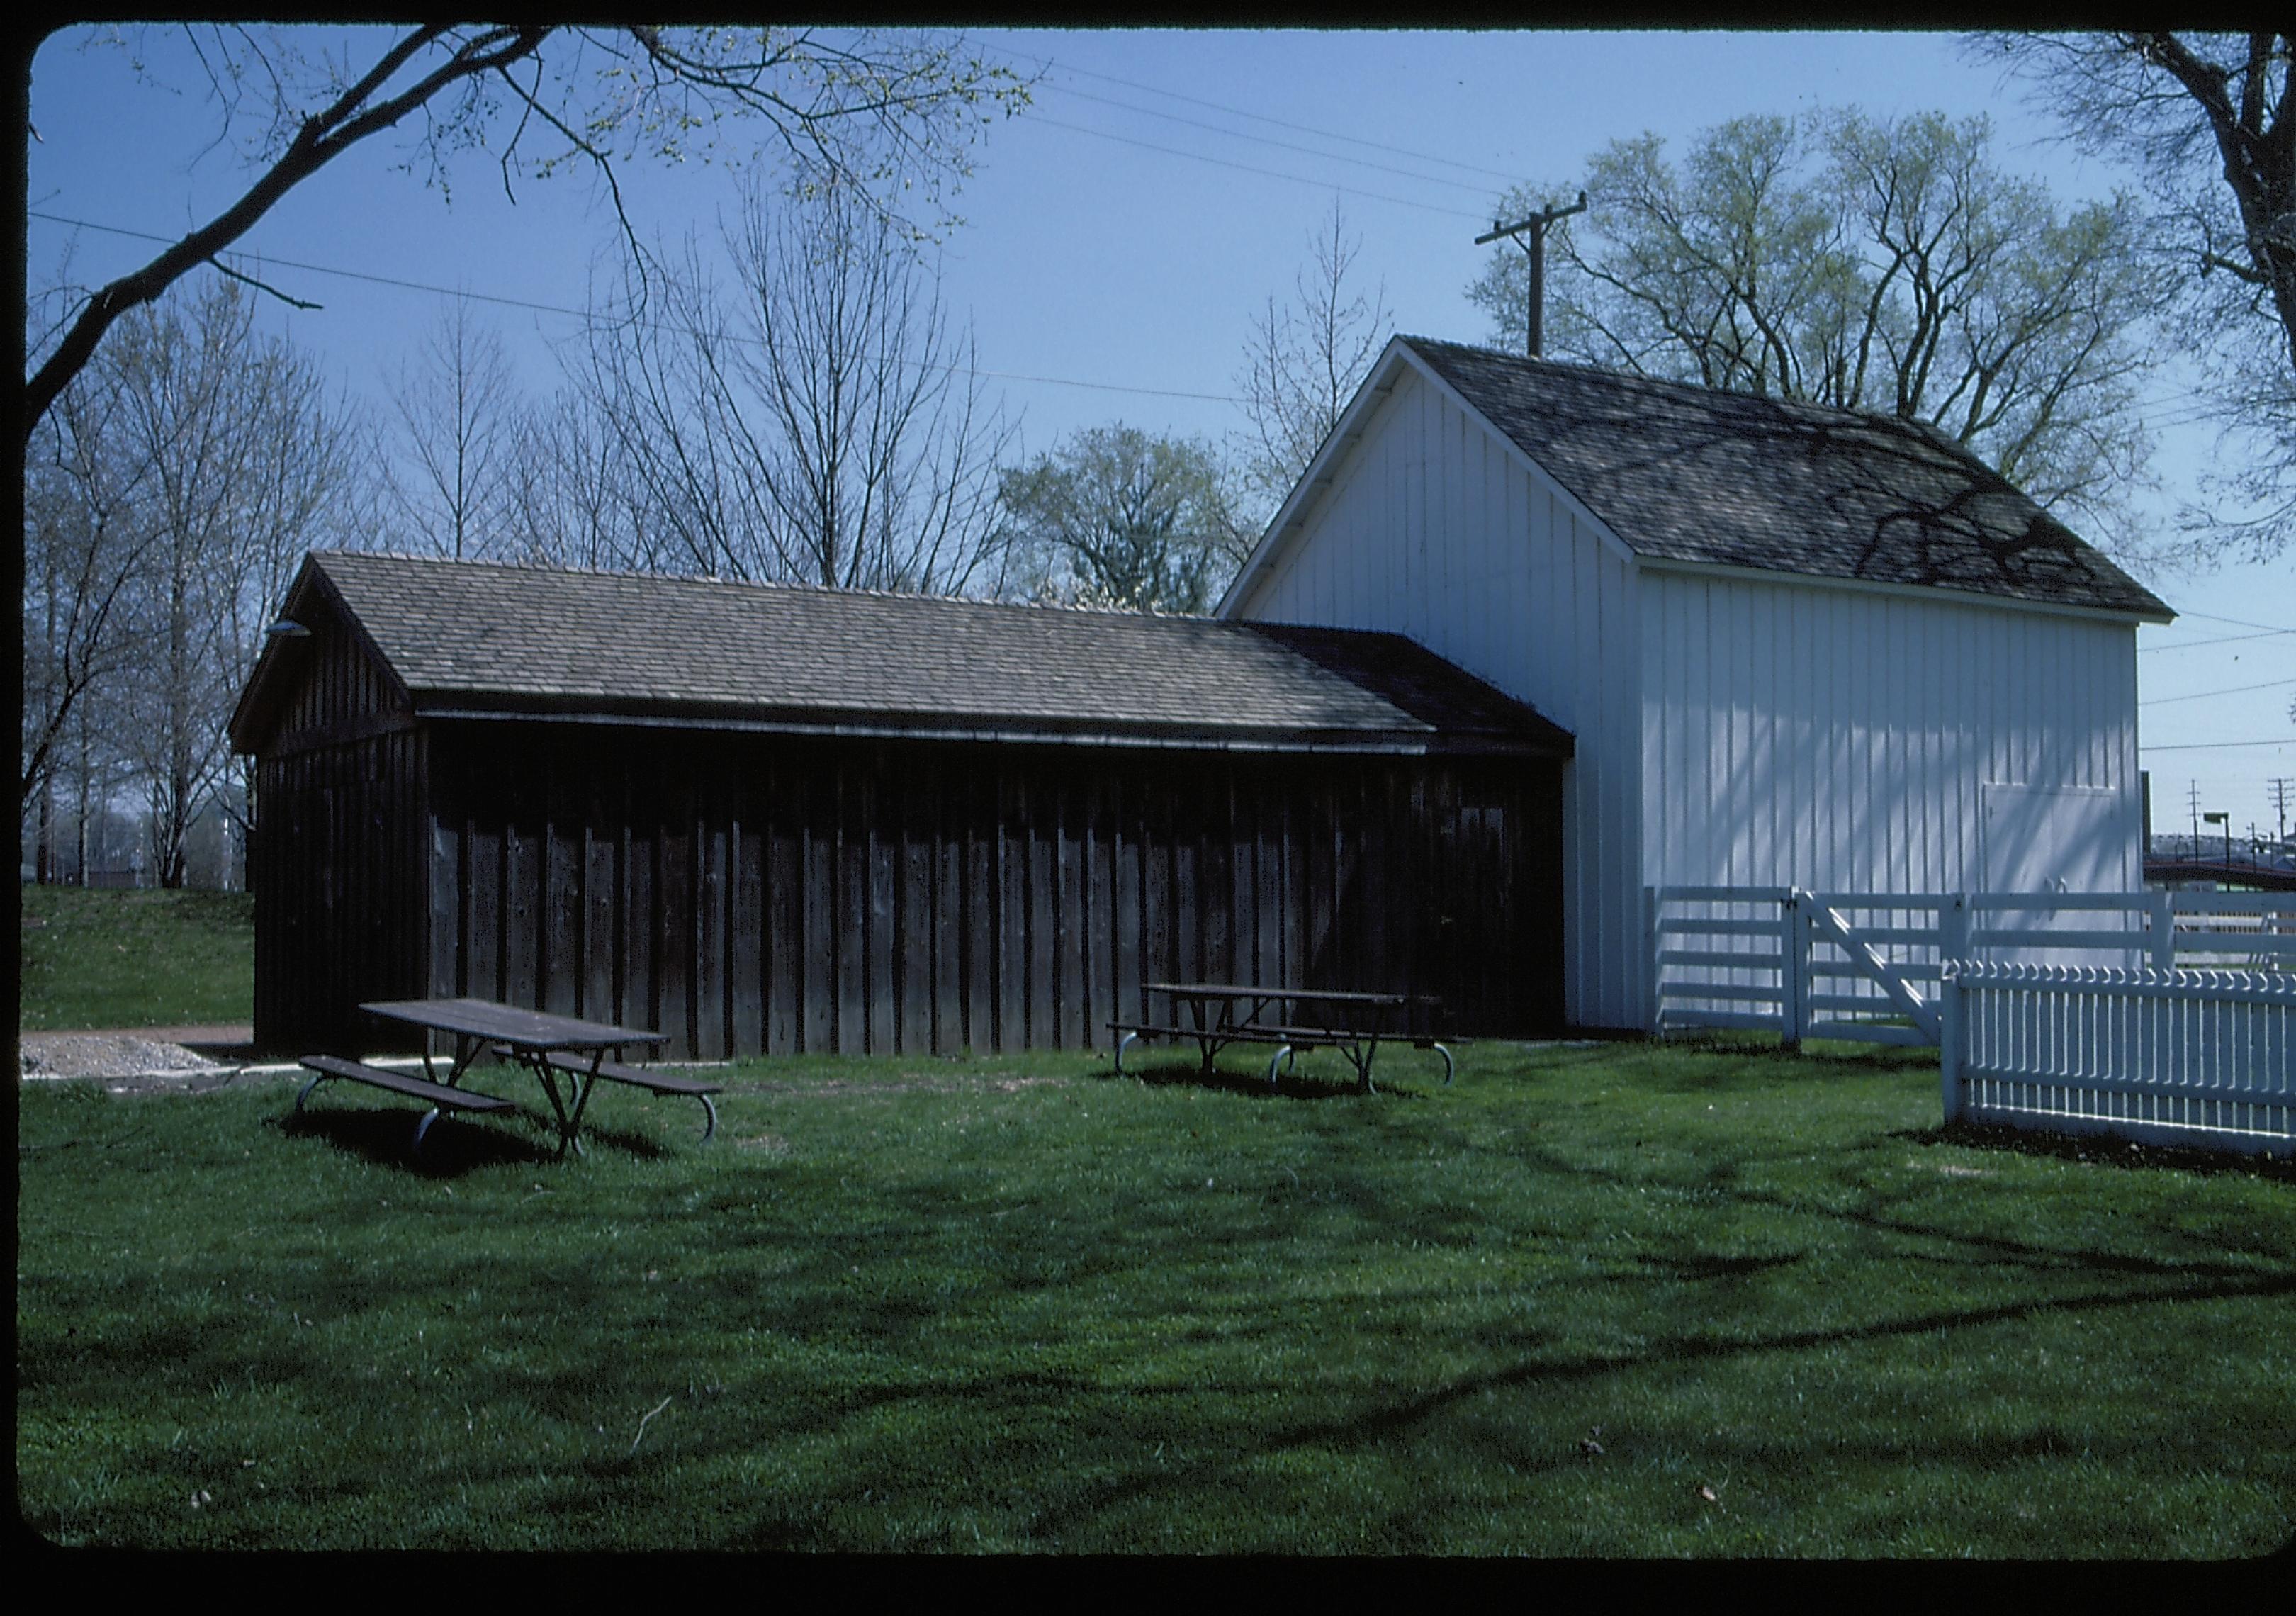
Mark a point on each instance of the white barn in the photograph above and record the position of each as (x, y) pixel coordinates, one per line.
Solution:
(1795, 645)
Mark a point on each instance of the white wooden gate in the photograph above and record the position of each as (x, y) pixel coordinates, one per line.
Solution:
(1867, 966)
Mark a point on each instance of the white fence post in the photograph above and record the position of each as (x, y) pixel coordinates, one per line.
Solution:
(1950, 1012)
(2164, 931)
(1657, 941)
(1794, 967)
(1953, 930)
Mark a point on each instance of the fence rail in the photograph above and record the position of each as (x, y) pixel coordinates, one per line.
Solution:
(1866, 965)
(2172, 1057)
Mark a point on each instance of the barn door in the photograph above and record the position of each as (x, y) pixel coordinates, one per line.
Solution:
(2041, 839)
(2056, 838)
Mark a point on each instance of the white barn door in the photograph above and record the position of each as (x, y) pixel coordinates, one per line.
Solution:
(2056, 838)
(2043, 838)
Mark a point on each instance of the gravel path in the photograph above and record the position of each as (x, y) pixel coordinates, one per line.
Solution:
(141, 1060)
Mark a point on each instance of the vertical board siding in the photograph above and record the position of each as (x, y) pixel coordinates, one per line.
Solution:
(1432, 529)
(774, 896)
(342, 881)
(1841, 740)
(342, 887)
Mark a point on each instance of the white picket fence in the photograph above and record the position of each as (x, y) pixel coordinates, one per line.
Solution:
(1866, 965)
(2192, 1058)
(2187, 1038)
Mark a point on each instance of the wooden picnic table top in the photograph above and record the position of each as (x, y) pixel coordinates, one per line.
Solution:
(533, 1030)
(1244, 990)
(1358, 1037)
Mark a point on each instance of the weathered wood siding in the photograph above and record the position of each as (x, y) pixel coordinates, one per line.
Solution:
(752, 894)
(1839, 739)
(1434, 528)
(335, 862)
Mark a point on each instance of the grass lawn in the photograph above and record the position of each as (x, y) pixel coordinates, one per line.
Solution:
(1597, 1301)
(143, 958)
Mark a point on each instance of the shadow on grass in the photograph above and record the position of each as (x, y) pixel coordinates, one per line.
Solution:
(1289, 1085)
(2102, 1150)
(452, 1149)
(646, 1146)
(457, 1145)
(1395, 1419)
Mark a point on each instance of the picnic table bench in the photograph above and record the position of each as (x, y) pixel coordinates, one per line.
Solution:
(1224, 1013)
(552, 1048)
(441, 1097)
(638, 1077)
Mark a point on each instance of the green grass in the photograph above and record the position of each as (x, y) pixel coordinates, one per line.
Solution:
(143, 958)
(1014, 1305)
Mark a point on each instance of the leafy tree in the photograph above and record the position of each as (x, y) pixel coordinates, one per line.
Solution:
(1884, 265)
(2208, 120)
(1306, 359)
(858, 106)
(1119, 517)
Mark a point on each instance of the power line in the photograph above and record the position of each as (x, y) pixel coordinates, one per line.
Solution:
(585, 315)
(2211, 746)
(1379, 196)
(1353, 139)
(2240, 622)
(1196, 123)
(2230, 639)
(2202, 695)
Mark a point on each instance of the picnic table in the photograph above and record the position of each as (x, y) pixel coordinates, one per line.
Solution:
(1291, 1019)
(554, 1048)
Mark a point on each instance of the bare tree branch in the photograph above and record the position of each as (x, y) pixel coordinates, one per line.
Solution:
(221, 268)
(825, 104)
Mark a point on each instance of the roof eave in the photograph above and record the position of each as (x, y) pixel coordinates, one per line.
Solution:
(1956, 594)
(1290, 518)
(255, 713)
(1377, 384)
(475, 706)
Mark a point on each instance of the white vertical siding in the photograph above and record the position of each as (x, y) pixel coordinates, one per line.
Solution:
(1730, 729)
(1839, 739)
(1432, 529)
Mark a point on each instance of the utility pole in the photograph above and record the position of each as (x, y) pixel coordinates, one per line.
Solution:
(2280, 794)
(1535, 248)
(2193, 796)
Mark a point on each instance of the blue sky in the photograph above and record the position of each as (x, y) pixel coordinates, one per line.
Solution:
(1120, 237)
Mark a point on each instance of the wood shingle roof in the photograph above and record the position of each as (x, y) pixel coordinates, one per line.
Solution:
(1695, 474)
(471, 638)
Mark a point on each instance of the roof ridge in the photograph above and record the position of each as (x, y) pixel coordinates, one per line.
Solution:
(1698, 390)
(769, 586)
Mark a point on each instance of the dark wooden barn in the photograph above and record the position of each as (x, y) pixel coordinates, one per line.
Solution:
(779, 820)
